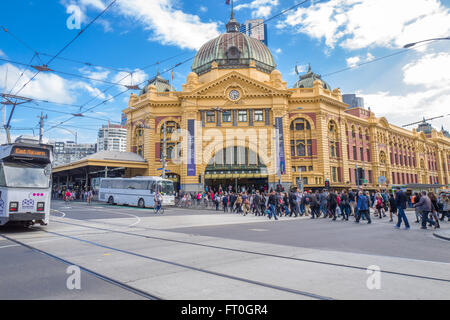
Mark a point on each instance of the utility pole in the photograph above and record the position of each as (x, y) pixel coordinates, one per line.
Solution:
(41, 127)
(7, 101)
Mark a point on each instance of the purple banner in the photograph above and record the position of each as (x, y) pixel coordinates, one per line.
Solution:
(191, 148)
(282, 164)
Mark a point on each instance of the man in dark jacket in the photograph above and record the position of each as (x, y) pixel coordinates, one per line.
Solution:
(273, 201)
(293, 203)
(315, 205)
(400, 201)
(332, 204)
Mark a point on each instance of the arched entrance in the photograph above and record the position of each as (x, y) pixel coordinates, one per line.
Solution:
(236, 168)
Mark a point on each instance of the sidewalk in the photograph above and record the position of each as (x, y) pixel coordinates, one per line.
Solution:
(442, 234)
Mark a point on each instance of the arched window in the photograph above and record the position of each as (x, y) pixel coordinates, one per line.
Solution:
(301, 141)
(300, 124)
(333, 139)
(382, 157)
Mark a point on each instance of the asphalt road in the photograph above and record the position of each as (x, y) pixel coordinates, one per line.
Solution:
(210, 253)
(28, 274)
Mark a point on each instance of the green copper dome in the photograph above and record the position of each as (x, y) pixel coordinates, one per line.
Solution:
(307, 80)
(232, 50)
(161, 84)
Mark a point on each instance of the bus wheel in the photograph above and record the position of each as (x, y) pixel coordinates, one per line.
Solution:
(110, 200)
(141, 203)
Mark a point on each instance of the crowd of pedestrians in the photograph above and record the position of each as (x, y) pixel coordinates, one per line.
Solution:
(67, 194)
(359, 204)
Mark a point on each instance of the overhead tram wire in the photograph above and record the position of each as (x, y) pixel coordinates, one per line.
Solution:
(22, 42)
(35, 54)
(85, 63)
(68, 44)
(63, 112)
(183, 62)
(376, 59)
(65, 73)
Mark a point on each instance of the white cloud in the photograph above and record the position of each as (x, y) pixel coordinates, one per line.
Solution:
(278, 50)
(430, 96)
(137, 77)
(45, 86)
(98, 73)
(432, 70)
(356, 60)
(2, 54)
(168, 25)
(203, 9)
(356, 24)
(411, 107)
(353, 61)
(260, 8)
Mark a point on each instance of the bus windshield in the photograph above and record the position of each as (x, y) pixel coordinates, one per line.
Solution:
(25, 175)
(167, 187)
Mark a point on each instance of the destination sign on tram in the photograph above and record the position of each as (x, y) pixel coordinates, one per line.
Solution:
(30, 152)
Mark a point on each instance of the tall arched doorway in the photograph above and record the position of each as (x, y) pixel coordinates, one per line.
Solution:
(236, 168)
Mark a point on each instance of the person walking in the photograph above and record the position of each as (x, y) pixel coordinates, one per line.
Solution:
(272, 201)
(400, 201)
(425, 207)
(445, 207)
(315, 205)
(323, 200)
(332, 204)
(379, 205)
(434, 209)
(225, 202)
(345, 206)
(363, 205)
(293, 203)
(392, 206)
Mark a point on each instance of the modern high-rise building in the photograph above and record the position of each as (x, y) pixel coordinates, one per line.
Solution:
(256, 29)
(353, 101)
(69, 151)
(112, 138)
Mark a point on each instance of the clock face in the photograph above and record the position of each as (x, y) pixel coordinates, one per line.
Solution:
(234, 94)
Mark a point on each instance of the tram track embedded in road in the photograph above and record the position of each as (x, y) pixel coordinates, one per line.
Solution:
(93, 273)
(250, 252)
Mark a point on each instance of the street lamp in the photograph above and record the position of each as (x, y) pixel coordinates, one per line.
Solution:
(409, 45)
(72, 132)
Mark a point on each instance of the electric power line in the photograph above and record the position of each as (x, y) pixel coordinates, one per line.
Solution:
(68, 44)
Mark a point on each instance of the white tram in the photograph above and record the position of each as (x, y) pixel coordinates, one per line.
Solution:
(25, 182)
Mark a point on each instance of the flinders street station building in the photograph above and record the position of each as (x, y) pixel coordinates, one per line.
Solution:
(237, 123)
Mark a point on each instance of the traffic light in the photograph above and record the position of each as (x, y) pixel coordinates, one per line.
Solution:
(327, 184)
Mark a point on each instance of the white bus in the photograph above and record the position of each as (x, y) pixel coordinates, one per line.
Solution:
(25, 183)
(137, 191)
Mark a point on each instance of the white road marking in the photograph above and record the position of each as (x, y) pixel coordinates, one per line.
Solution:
(11, 245)
(126, 214)
(258, 230)
(63, 214)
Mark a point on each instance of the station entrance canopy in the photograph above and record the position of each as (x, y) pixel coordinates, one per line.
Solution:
(101, 164)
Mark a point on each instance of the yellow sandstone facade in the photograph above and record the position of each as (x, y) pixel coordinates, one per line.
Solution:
(223, 129)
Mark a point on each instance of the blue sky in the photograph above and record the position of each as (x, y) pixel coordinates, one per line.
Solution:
(132, 34)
